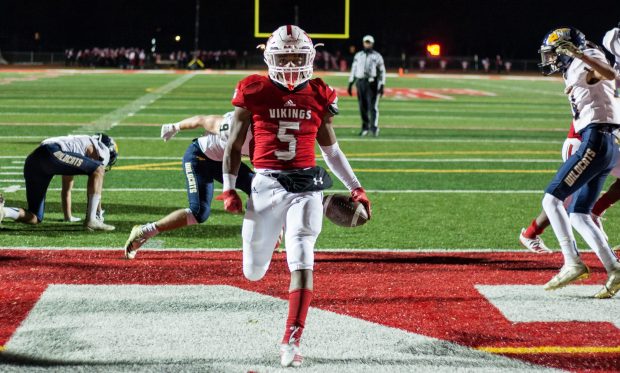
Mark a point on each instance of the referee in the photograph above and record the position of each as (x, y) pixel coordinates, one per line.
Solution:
(368, 74)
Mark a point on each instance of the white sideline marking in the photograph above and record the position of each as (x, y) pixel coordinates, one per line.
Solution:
(439, 191)
(394, 191)
(340, 139)
(110, 120)
(168, 326)
(531, 303)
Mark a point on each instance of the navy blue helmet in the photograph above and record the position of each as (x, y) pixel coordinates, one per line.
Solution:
(112, 147)
(551, 61)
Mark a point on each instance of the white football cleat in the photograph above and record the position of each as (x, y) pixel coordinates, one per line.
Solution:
(598, 220)
(98, 225)
(135, 241)
(290, 355)
(535, 245)
(611, 287)
(568, 274)
(1, 208)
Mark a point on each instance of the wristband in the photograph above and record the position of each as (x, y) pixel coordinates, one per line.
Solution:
(229, 181)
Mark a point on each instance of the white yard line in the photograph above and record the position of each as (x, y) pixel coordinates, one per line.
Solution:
(388, 191)
(340, 139)
(10, 173)
(336, 250)
(112, 119)
(357, 159)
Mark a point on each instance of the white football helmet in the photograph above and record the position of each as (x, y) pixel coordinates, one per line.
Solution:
(289, 54)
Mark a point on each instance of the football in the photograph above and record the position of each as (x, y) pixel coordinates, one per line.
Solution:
(340, 210)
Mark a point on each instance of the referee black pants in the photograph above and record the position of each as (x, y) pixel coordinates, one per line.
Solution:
(368, 99)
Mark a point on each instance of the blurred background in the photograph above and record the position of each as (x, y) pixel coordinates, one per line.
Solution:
(493, 36)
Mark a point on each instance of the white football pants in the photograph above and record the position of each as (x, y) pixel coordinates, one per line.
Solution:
(269, 209)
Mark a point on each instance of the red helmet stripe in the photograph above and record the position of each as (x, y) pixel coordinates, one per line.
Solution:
(289, 30)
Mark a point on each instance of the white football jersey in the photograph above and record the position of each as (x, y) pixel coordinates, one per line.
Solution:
(213, 145)
(611, 42)
(591, 103)
(78, 145)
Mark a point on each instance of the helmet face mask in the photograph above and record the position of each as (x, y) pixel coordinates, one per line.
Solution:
(289, 55)
(551, 61)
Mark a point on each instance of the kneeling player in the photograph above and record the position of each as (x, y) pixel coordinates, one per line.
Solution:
(202, 163)
(68, 156)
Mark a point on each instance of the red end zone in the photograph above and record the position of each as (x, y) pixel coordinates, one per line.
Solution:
(432, 294)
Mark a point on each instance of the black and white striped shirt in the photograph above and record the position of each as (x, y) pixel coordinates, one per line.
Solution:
(368, 65)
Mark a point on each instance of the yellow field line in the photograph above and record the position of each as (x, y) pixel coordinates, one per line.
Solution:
(161, 167)
(147, 166)
(552, 350)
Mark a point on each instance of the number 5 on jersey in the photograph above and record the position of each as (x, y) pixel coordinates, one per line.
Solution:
(287, 155)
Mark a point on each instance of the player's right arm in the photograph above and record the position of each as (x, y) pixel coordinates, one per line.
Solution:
(240, 124)
(210, 123)
(601, 70)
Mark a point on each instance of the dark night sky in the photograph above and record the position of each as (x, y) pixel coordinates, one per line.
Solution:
(511, 28)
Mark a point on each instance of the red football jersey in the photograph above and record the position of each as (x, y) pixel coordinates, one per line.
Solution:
(571, 132)
(284, 123)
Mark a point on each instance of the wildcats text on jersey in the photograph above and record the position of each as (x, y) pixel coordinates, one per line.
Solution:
(68, 159)
(290, 113)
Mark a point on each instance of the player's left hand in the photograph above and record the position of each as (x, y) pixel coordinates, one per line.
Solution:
(350, 89)
(169, 130)
(380, 90)
(567, 48)
(232, 201)
(359, 195)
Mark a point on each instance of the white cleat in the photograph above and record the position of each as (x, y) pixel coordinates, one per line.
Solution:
(535, 245)
(598, 220)
(134, 242)
(290, 355)
(1, 208)
(611, 287)
(568, 274)
(98, 225)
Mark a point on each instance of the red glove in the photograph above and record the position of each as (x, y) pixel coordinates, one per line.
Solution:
(232, 201)
(359, 195)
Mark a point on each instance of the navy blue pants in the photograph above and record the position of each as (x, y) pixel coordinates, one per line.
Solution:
(584, 173)
(41, 166)
(200, 171)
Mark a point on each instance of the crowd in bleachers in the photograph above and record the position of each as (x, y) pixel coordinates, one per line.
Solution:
(137, 58)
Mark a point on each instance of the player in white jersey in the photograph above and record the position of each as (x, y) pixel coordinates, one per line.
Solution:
(611, 42)
(202, 163)
(589, 83)
(67, 156)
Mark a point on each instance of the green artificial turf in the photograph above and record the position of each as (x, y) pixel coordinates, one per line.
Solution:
(440, 175)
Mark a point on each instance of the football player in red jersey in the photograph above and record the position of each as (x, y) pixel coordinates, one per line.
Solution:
(286, 112)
